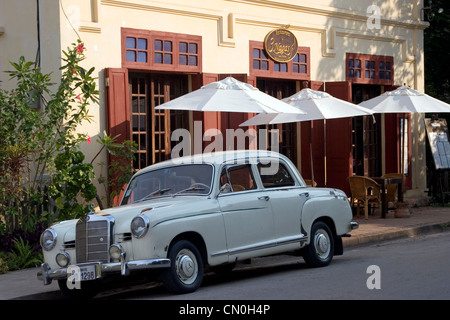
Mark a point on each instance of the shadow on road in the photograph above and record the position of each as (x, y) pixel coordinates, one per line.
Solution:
(241, 272)
(146, 285)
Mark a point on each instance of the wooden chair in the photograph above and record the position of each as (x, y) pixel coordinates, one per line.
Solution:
(366, 191)
(391, 189)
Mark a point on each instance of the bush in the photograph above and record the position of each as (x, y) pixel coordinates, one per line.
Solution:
(20, 249)
(32, 237)
(32, 140)
(22, 256)
(3, 265)
(43, 174)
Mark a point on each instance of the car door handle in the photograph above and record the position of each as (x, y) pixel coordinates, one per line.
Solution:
(306, 194)
(264, 198)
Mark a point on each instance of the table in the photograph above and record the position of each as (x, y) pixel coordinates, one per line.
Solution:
(383, 183)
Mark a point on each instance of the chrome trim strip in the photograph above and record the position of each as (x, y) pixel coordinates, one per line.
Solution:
(46, 274)
(271, 244)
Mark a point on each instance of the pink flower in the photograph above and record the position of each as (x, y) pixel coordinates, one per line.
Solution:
(88, 140)
(80, 48)
(79, 97)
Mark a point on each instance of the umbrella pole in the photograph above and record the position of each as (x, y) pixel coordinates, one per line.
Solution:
(403, 146)
(310, 153)
(325, 149)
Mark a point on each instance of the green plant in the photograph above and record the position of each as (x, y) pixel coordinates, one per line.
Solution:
(72, 178)
(40, 157)
(36, 141)
(22, 256)
(3, 265)
(120, 169)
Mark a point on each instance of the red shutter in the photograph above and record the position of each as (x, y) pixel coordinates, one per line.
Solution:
(392, 146)
(392, 154)
(117, 107)
(117, 110)
(339, 157)
(392, 123)
(210, 119)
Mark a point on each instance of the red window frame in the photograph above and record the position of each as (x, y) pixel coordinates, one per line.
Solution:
(176, 41)
(373, 69)
(273, 69)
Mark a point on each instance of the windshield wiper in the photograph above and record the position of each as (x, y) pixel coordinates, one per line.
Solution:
(159, 191)
(192, 188)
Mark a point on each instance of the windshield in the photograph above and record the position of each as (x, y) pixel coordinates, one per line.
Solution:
(193, 179)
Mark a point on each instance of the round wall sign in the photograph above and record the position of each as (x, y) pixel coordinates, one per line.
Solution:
(281, 45)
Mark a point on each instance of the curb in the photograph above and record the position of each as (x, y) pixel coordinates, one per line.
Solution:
(393, 235)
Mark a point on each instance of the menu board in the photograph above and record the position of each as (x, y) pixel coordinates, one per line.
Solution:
(437, 132)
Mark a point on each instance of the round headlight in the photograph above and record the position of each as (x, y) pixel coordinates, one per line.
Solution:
(62, 259)
(48, 239)
(139, 226)
(115, 251)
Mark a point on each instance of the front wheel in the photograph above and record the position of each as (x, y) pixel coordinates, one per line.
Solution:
(186, 268)
(319, 252)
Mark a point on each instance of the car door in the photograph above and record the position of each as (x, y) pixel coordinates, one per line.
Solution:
(246, 212)
(287, 197)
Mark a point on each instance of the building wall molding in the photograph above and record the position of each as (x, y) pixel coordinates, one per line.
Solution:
(226, 23)
(334, 13)
(90, 27)
(402, 41)
(222, 21)
(327, 35)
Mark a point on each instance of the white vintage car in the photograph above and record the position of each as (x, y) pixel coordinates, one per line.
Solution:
(209, 210)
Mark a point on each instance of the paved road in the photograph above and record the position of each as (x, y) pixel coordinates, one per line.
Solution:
(414, 268)
(408, 269)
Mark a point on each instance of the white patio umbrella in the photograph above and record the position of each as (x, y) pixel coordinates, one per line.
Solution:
(317, 105)
(405, 100)
(229, 95)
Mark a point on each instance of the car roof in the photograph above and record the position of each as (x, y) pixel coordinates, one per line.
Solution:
(214, 158)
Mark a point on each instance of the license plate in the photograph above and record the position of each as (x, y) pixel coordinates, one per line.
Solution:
(88, 272)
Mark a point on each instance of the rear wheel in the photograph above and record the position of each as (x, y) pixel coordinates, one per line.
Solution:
(319, 252)
(186, 268)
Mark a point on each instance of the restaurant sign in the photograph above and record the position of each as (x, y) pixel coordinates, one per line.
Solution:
(281, 45)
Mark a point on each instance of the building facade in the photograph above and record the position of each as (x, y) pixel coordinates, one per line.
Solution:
(148, 52)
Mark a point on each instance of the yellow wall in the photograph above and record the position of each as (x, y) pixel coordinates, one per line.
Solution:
(331, 28)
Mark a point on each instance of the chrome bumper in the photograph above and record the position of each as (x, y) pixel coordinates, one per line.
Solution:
(354, 225)
(47, 275)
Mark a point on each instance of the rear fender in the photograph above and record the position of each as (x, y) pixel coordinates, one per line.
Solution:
(335, 212)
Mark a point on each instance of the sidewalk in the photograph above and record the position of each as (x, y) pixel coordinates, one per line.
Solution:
(23, 284)
(422, 220)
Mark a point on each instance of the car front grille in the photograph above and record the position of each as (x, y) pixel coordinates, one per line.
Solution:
(93, 238)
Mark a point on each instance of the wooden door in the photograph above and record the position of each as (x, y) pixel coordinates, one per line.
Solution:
(150, 128)
(339, 159)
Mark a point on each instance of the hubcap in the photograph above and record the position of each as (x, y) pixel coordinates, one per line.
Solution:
(322, 244)
(186, 265)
